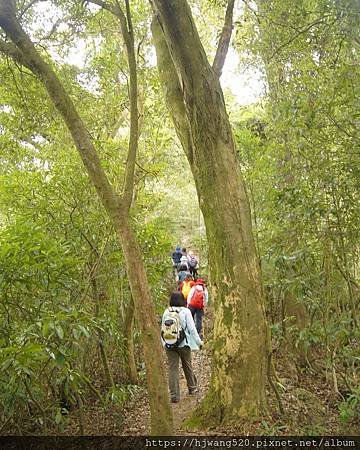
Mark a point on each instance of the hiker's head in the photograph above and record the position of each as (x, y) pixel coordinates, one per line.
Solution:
(188, 277)
(191, 253)
(200, 281)
(177, 299)
(178, 249)
(182, 267)
(184, 250)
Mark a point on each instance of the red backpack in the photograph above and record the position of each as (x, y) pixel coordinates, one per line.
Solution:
(197, 300)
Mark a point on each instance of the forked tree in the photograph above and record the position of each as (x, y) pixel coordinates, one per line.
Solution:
(195, 100)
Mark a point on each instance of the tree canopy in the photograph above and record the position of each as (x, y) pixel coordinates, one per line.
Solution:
(118, 143)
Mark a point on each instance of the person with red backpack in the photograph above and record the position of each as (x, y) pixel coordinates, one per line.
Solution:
(197, 300)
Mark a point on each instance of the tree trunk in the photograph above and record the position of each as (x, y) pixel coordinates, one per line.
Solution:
(118, 211)
(145, 314)
(100, 334)
(295, 315)
(195, 99)
(131, 372)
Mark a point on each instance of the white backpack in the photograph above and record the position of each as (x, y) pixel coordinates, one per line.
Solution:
(171, 330)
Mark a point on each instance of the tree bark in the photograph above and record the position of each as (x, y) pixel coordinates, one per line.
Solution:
(100, 334)
(197, 107)
(161, 416)
(145, 313)
(131, 372)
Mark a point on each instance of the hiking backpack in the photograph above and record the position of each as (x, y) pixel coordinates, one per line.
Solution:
(192, 262)
(171, 330)
(197, 300)
(185, 288)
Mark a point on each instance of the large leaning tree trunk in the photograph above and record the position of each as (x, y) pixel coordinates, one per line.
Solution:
(23, 52)
(195, 100)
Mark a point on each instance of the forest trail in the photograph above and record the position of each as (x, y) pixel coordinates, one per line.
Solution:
(133, 419)
(136, 419)
(309, 402)
(137, 412)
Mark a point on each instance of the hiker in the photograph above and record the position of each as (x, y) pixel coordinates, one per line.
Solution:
(186, 285)
(182, 274)
(176, 256)
(184, 261)
(193, 264)
(179, 337)
(197, 300)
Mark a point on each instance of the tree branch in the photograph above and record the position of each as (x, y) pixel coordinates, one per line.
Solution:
(63, 103)
(30, 5)
(128, 36)
(114, 9)
(129, 181)
(14, 53)
(224, 41)
(297, 34)
(104, 5)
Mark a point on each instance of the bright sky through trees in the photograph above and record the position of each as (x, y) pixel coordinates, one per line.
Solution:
(244, 83)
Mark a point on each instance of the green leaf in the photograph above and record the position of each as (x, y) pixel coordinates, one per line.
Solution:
(59, 331)
(48, 325)
(84, 331)
(60, 359)
(58, 417)
(33, 348)
(76, 333)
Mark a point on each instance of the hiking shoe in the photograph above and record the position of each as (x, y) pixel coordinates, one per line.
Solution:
(193, 391)
(174, 400)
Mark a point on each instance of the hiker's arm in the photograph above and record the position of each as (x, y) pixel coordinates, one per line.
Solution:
(192, 329)
(206, 297)
(191, 293)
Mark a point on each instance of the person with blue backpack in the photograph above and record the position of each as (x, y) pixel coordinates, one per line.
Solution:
(182, 274)
(179, 337)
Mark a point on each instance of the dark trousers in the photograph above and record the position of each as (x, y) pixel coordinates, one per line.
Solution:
(197, 314)
(174, 355)
(193, 272)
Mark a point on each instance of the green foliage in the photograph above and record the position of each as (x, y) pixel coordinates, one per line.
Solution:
(299, 153)
(350, 407)
(63, 283)
(270, 429)
(121, 393)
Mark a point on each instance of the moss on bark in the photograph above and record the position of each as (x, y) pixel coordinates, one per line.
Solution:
(196, 104)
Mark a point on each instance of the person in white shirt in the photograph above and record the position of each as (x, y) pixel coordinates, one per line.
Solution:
(182, 352)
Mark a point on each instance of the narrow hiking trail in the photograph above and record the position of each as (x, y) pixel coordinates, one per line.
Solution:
(309, 403)
(134, 418)
(308, 400)
(137, 412)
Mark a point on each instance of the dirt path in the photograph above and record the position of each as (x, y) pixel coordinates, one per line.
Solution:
(137, 413)
(311, 408)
